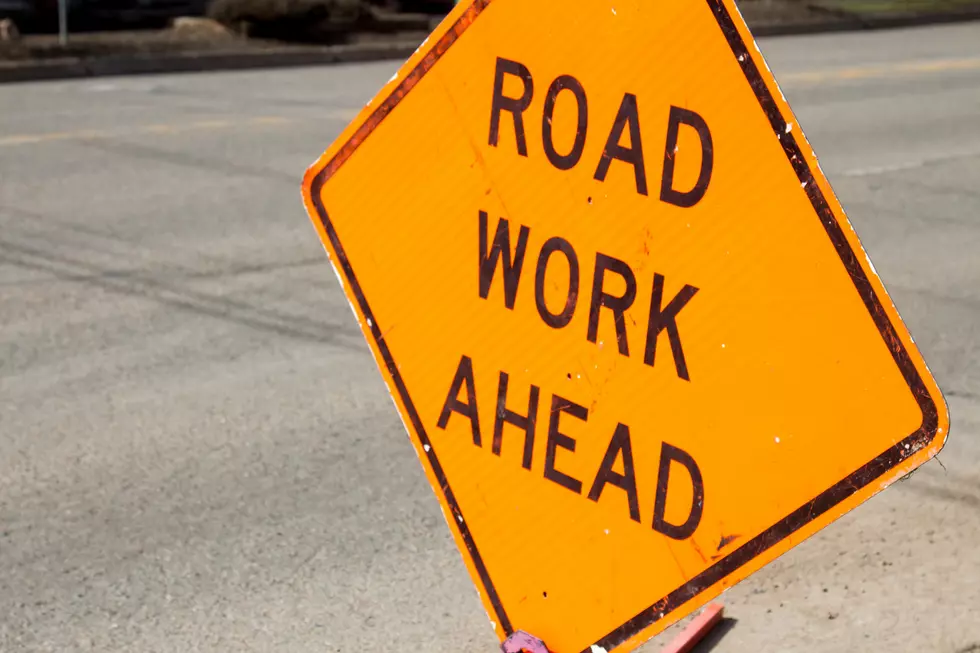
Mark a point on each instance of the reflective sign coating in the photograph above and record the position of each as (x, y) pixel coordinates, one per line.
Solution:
(637, 345)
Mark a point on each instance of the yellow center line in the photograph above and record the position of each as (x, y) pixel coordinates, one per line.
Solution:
(807, 77)
(160, 128)
(880, 71)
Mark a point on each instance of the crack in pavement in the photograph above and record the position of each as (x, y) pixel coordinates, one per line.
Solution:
(145, 286)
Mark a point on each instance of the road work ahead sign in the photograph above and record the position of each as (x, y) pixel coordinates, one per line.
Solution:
(637, 345)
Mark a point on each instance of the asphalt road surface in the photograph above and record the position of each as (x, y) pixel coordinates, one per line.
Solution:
(197, 452)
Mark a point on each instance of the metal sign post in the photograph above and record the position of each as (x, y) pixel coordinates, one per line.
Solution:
(63, 22)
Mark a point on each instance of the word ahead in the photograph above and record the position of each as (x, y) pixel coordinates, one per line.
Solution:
(627, 119)
(620, 447)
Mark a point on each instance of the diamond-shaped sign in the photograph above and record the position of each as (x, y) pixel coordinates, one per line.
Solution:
(637, 345)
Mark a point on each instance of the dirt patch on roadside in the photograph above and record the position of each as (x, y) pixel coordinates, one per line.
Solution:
(102, 44)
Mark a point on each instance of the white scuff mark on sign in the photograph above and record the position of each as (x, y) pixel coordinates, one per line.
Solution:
(369, 322)
(422, 45)
(597, 649)
(766, 64)
(789, 127)
(777, 439)
(427, 448)
(871, 265)
(614, 11)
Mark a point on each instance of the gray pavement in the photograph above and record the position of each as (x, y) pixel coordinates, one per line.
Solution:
(198, 454)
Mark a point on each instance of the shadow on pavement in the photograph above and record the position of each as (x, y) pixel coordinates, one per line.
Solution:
(716, 634)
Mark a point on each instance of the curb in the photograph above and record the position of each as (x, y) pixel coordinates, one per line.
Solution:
(199, 61)
(290, 56)
(842, 22)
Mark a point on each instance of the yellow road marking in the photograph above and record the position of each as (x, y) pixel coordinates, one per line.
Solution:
(787, 79)
(879, 71)
(160, 128)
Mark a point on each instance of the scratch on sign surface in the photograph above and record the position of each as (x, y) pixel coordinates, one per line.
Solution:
(726, 540)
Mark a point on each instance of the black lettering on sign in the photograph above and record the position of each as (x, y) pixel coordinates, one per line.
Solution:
(557, 439)
(627, 120)
(668, 193)
(618, 305)
(501, 251)
(516, 106)
(666, 318)
(634, 153)
(525, 422)
(564, 161)
(620, 448)
(464, 376)
(620, 444)
(552, 245)
(669, 454)
(511, 262)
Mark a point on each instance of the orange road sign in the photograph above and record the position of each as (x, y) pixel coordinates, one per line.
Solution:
(637, 345)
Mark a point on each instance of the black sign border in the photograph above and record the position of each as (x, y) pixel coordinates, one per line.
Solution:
(874, 469)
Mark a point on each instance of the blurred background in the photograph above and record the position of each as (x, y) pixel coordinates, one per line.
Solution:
(104, 27)
(197, 452)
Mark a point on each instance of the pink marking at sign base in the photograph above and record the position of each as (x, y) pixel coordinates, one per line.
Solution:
(521, 642)
(696, 630)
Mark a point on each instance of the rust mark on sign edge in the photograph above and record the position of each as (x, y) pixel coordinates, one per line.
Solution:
(726, 540)
(396, 96)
